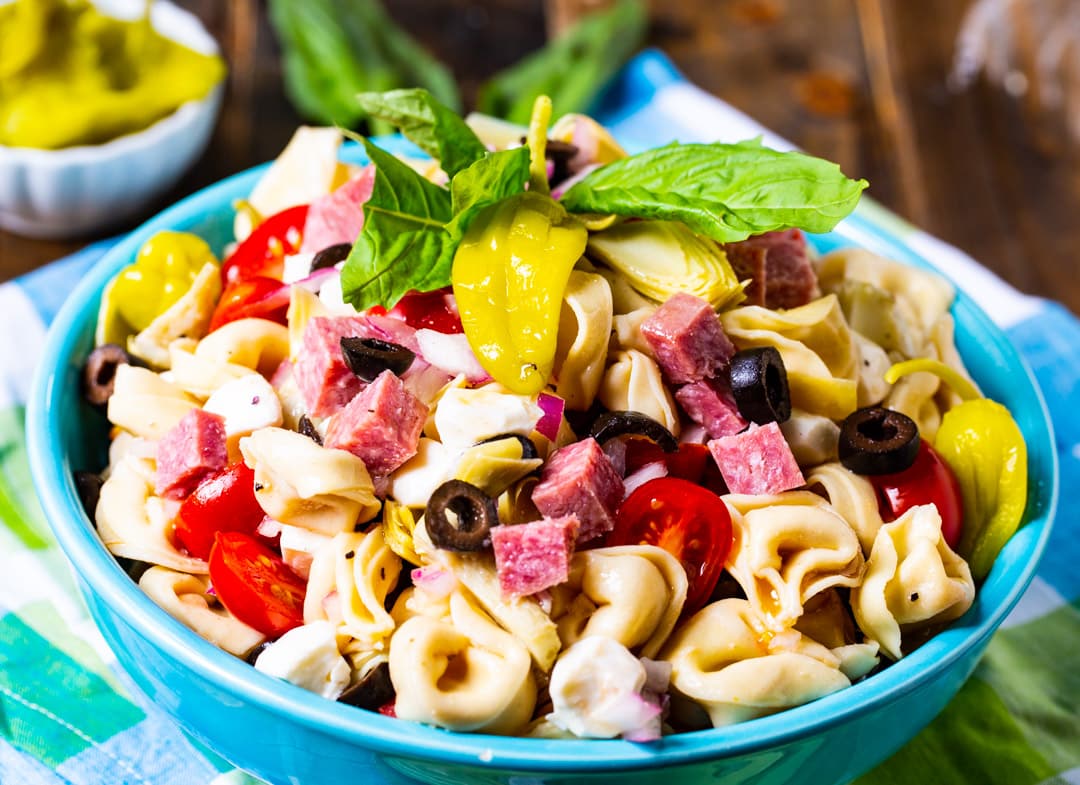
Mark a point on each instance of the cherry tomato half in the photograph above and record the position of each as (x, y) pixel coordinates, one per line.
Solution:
(255, 585)
(927, 480)
(261, 297)
(263, 252)
(223, 502)
(431, 310)
(686, 520)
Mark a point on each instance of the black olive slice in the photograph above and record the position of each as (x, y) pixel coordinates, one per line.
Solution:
(528, 449)
(88, 485)
(459, 517)
(255, 652)
(760, 386)
(611, 425)
(307, 428)
(99, 373)
(878, 441)
(371, 692)
(368, 357)
(330, 256)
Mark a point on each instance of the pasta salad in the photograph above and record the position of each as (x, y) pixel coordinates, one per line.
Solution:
(534, 437)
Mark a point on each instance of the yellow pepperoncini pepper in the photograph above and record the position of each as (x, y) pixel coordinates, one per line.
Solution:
(509, 276)
(163, 271)
(982, 444)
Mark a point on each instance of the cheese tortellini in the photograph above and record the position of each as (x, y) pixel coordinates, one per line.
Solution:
(633, 382)
(632, 594)
(301, 483)
(788, 548)
(724, 662)
(819, 353)
(913, 580)
(462, 673)
(584, 332)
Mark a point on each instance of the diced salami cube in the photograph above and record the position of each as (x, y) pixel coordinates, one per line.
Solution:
(748, 263)
(579, 480)
(757, 461)
(711, 405)
(193, 449)
(381, 425)
(687, 340)
(338, 216)
(325, 380)
(787, 278)
(531, 557)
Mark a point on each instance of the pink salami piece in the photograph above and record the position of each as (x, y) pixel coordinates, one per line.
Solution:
(531, 557)
(326, 383)
(788, 279)
(757, 461)
(193, 449)
(338, 217)
(711, 405)
(687, 339)
(381, 425)
(579, 480)
(748, 263)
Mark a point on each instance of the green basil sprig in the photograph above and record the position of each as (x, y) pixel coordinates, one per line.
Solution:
(723, 191)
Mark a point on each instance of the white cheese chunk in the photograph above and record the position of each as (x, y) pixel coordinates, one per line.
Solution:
(308, 657)
(417, 479)
(596, 689)
(466, 416)
(247, 404)
(297, 267)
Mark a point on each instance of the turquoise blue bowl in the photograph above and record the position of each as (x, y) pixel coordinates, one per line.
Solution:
(286, 735)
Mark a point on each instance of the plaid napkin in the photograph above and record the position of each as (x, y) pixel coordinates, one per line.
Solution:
(68, 714)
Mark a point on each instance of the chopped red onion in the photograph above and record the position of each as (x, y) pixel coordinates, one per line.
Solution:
(553, 406)
(649, 471)
(451, 352)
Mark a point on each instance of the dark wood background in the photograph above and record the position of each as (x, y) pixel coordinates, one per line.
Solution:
(862, 82)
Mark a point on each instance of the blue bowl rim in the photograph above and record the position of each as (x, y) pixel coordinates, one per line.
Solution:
(100, 573)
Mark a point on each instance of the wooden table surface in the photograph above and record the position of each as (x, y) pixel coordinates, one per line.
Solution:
(862, 82)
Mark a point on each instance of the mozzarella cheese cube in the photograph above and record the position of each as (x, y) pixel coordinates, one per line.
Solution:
(466, 416)
(247, 404)
(308, 657)
(297, 267)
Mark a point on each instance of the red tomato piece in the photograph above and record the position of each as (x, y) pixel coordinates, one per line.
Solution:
(258, 297)
(688, 463)
(429, 310)
(223, 502)
(928, 480)
(389, 709)
(255, 585)
(263, 253)
(686, 520)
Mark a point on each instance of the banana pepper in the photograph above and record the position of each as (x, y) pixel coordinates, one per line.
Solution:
(509, 276)
(982, 444)
(163, 271)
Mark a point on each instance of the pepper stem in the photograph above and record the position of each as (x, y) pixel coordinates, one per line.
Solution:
(537, 142)
(960, 385)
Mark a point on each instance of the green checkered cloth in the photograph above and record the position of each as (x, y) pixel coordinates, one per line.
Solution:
(69, 715)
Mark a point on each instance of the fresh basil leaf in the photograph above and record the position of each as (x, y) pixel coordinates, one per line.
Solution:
(572, 68)
(404, 244)
(724, 191)
(435, 128)
(489, 180)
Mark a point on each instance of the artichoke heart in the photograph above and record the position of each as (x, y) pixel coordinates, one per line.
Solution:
(660, 258)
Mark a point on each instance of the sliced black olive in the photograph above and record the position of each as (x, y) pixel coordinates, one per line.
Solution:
(372, 691)
(368, 357)
(88, 485)
(254, 653)
(528, 449)
(308, 429)
(330, 256)
(760, 386)
(459, 517)
(559, 153)
(878, 441)
(611, 425)
(99, 373)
